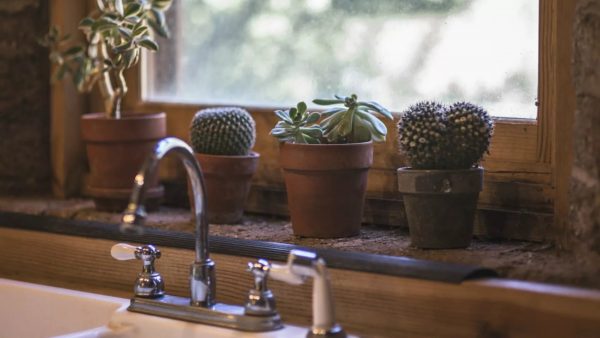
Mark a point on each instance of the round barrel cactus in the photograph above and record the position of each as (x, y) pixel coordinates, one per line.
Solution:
(470, 129)
(436, 137)
(223, 131)
(422, 130)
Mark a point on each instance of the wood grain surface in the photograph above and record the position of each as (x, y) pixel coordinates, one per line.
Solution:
(370, 305)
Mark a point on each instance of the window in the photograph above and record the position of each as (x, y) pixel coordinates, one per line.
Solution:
(272, 53)
(526, 184)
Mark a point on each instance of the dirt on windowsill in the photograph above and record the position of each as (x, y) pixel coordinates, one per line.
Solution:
(540, 262)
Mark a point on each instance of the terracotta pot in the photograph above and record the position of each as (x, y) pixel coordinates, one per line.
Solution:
(326, 186)
(116, 150)
(440, 205)
(227, 180)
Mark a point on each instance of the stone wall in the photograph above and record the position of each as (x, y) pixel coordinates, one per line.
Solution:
(24, 97)
(585, 181)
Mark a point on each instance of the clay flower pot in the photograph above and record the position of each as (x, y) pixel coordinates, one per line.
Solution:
(116, 150)
(326, 186)
(227, 181)
(440, 205)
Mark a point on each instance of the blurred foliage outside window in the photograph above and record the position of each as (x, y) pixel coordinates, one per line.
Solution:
(278, 52)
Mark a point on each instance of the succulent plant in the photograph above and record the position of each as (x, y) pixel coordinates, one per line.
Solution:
(295, 125)
(470, 129)
(115, 35)
(422, 130)
(223, 131)
(436, 137)
(354, 121)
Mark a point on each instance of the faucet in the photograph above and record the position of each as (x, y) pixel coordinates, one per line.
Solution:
(259, 313)
(202, 271)
(149, 295)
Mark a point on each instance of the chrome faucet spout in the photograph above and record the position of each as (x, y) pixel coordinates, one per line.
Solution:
(202, 276)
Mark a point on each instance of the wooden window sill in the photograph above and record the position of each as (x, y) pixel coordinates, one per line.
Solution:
(512, 259)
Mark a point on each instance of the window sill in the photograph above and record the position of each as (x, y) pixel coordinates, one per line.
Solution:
(512, 259)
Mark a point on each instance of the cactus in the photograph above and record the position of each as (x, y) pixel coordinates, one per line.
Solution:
(436, 137)
(470, 129)
(223, 131)
(421, 135)
(294, 125)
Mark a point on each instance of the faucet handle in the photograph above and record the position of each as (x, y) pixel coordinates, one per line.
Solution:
(149, 283)
(261, 301)
(123, 252)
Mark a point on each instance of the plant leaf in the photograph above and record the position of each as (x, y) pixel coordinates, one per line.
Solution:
(312, 118)
(378, 108)
(327, 102)
(331, 111)
(125, 32)
(159, 24)
(86, 22)
(312, 131)
(104, 23)
(147, 42)
(301, 107)
(162, 5)
(141, 30)
(311, 140)
(73, 50)
(119, 7)
(378, 126)
(284, 116)
(132, 9)
(278, 132)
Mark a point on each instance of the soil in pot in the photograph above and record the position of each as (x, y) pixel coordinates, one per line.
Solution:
(116, 150)
(227, 181)
(440, 205)
(326, 185)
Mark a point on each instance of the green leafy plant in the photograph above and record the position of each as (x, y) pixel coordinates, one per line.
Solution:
(436, 137)
(353, 122)
(223, 131)
(295, 125)
(115, 34)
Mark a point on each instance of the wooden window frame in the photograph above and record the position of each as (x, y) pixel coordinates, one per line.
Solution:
(526, 183)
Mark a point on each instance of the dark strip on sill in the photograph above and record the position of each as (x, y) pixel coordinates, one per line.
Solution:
(380, 264)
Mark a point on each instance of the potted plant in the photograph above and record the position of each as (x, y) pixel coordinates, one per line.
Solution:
(325, 165)
(222, 139)
(440, 188)
(116, 142)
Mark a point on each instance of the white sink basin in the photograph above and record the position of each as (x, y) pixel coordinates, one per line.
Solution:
(32, 310)
(125, 324)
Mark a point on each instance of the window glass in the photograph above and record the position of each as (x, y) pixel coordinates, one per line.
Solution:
(277, 52)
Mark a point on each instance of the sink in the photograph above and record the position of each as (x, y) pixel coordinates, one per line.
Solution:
(32, 310)
(125, 324)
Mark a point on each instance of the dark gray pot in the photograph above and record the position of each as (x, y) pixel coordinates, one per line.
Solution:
(440, 205)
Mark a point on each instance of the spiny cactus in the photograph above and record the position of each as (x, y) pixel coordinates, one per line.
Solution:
(223, 131)
(295, 125)
(436, 137)
(470, 129)
(422, 131)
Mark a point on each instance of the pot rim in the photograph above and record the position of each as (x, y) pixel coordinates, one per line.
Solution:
(327, 144)
(125, 116)
(435, 171)
(251, 155)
